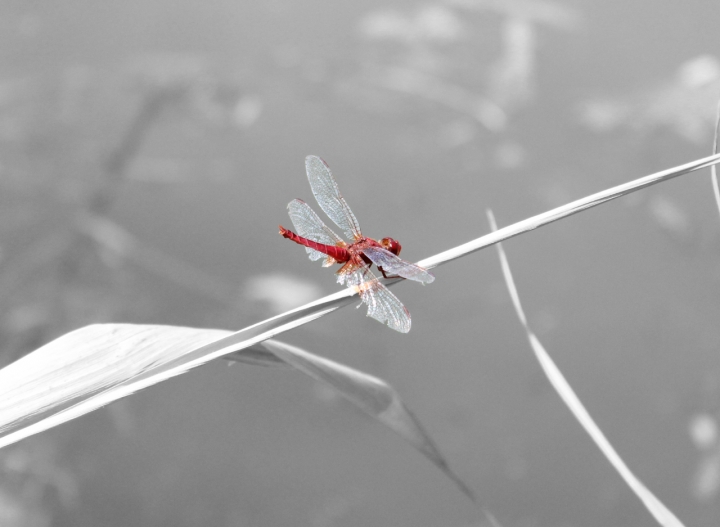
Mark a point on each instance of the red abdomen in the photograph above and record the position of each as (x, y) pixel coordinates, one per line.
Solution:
(339, 254)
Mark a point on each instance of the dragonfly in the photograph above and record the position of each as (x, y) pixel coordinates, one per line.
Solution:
(355, 257)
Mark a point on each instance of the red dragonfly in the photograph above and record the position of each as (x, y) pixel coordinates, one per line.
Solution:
(356, 257)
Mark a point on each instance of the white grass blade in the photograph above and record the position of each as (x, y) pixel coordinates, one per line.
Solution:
(661, 513)
(47, 387)
(565, 210)
(89, 367)
(713, 169)
(96, 365)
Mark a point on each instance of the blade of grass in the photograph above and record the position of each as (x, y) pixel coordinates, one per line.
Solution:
(713, 169)
(373, 396)
(563, 211)
(662, 514)
(75, 373)
(93, 366)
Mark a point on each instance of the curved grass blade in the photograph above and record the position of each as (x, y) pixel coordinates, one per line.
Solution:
(84, 369)
(47, 387)
(662, 514)
(372, 395)
(713, 169)
(129, 361)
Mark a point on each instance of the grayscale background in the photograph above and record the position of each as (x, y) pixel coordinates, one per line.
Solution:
(148, 150)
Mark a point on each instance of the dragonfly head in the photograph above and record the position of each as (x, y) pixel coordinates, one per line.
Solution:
(391, 245)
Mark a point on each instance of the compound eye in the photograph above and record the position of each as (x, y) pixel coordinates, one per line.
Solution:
(391, 245)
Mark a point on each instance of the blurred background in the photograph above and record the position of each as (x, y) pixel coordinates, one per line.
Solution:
(148, 151)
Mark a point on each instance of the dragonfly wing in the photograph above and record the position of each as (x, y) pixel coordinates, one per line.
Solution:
(382, 305)
(392, 264)
(328, 196)
(309, 225)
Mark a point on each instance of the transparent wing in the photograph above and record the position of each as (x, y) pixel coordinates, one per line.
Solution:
(392, 264)
(328, 196)
(309, 225)
(382, 305)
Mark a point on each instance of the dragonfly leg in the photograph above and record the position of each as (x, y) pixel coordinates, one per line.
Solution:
(387, 276)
